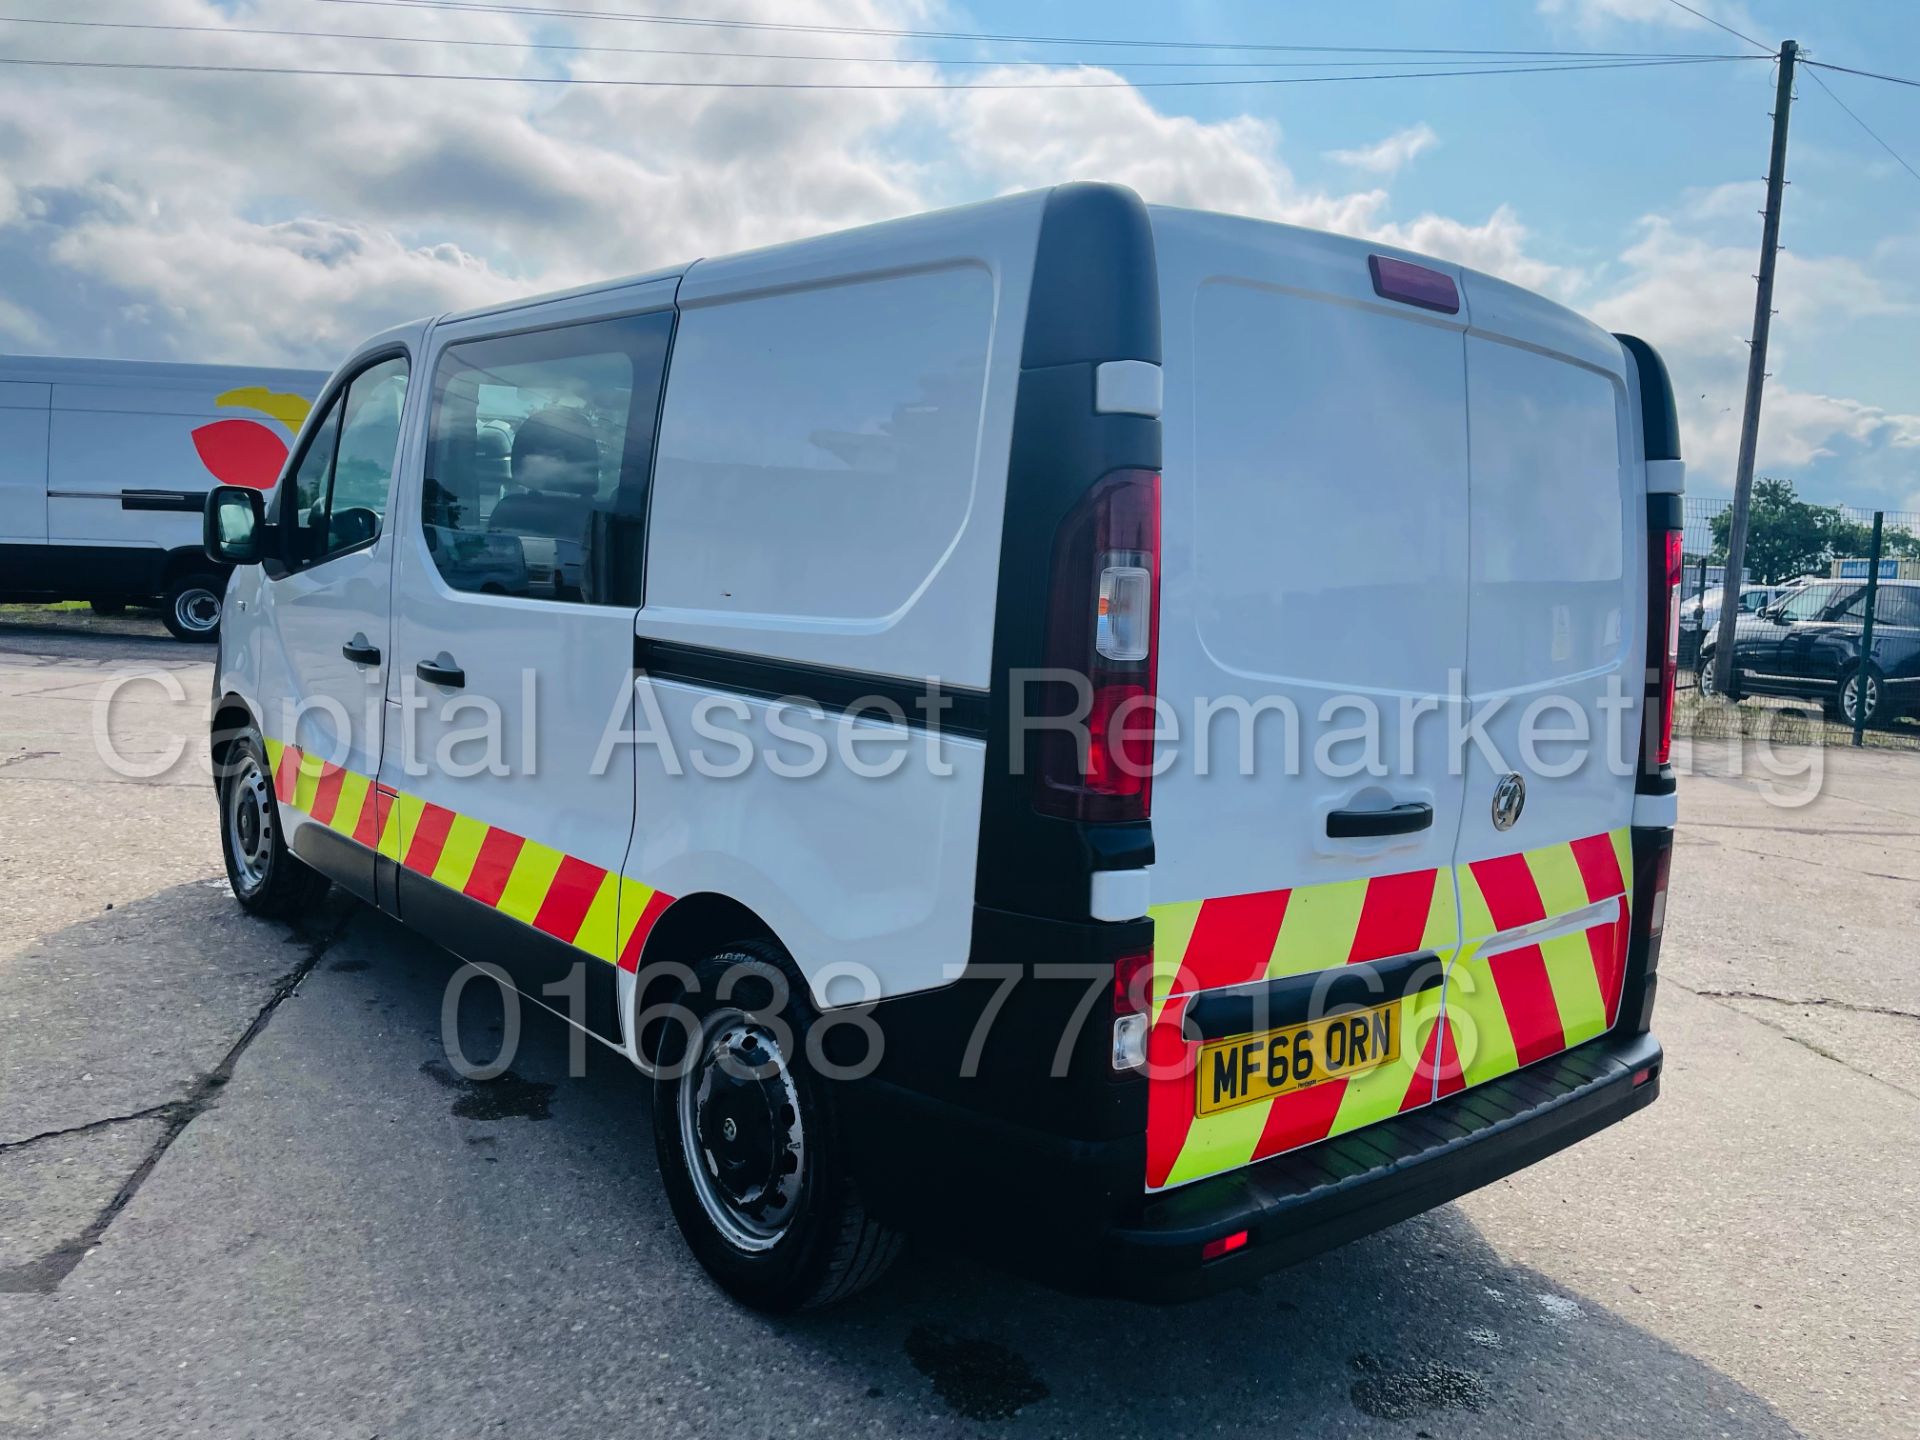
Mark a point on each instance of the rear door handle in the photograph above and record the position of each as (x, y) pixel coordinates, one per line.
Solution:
(360, 652)
(441, 671)
(1366, 824)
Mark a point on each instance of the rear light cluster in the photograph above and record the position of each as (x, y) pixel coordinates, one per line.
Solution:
(1103, 621)
(1664, 570)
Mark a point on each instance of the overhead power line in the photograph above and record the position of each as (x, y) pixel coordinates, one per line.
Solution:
(1898, 158)
(1870, 74)
(1738, 35)
(653, 84)
(586, 47)
(546, 12)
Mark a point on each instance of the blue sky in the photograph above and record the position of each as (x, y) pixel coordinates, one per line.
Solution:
(266, 218)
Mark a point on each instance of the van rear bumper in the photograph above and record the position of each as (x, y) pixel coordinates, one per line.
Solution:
(1313, 1199)
(1071, 1212)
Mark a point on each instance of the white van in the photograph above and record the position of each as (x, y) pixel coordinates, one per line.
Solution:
(105, 467)
(856, 679)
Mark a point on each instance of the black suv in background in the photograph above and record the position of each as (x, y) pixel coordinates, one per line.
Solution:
(1808, 645)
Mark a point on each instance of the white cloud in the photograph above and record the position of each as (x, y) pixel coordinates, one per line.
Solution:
(1598, 14)
(281, 218)
(1391, 155)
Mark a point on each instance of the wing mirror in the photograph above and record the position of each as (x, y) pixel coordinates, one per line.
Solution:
(235, 530)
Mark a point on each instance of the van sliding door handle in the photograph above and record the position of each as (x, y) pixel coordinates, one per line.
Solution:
(441, 671)
(1367, 824)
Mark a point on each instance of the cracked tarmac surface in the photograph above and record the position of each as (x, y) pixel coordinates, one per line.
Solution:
(241, 1193)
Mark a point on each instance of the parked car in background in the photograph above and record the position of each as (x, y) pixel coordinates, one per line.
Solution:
(1700, 612)
(1808, 645)
(105, 467)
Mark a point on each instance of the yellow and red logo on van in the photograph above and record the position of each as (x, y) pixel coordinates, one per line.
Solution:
(245, 452)
(1504, 1004)
(590, 908)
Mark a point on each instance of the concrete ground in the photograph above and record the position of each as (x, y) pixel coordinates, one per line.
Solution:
(241, 1194)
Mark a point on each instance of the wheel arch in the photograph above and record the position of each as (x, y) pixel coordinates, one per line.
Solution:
(188, 559)
(232, 717)
(691, 928)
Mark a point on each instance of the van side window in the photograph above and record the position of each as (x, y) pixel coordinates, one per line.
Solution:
(340, 488)
(539, 456)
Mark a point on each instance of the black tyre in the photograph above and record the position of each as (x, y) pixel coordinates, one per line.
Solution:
(267, 878)
(750, 1146)
(108, 607)
(191, 607)
(1703, 679)
(1876, 691)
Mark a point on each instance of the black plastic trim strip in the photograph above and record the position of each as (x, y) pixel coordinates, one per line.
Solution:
(533, 960)
(346, 862)
(1250, 1009)
(834, 690)
(179, 502)
(1659, 417)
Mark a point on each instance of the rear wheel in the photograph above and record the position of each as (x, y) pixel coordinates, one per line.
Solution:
(267, 878)
(191, 607)
(1876, 697)
(749, 1142)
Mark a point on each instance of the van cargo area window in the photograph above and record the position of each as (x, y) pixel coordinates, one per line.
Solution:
(538, 458)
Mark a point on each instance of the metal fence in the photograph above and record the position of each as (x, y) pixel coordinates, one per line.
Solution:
(1818, 587)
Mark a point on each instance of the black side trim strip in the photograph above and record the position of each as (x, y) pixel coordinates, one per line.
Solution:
(531, 958)
(346, 862)
(835, 691)
(1249, 1009)
(181, 502)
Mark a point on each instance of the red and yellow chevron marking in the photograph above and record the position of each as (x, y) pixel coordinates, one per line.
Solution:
(1236, 939)
(1510, 1005)
(608, 916)
(1497, 1011)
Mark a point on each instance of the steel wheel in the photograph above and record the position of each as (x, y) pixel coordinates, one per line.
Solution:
(196, 611)
(741, 1131)
(250, 822)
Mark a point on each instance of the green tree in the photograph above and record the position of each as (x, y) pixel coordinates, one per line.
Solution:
(1788, 537)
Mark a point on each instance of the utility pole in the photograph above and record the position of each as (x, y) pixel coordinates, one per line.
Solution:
(1756, 378)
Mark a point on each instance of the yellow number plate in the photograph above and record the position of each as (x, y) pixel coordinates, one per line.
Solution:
(1259, 1067)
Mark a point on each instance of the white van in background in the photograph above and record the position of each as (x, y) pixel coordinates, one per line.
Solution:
(105, 467)
(767, 664)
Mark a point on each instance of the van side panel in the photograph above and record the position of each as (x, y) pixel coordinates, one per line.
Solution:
(825, 523)
(23, 464)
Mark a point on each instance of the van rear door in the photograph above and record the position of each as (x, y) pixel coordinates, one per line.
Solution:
(1556, 646)
(1316, 550)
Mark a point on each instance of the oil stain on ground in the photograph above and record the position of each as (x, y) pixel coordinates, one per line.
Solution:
(978, 1379)
(505, 1097)
(1388, 1394)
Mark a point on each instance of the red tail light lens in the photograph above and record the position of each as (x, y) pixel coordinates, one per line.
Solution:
(1664, 571)
(1103, 624)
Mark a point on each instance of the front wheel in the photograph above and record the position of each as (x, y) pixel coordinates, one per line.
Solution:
(191, 607)
(267, 878)
(749, 1143)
